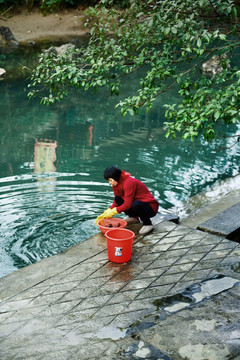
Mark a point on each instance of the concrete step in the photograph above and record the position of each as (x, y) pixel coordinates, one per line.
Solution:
(225, 223)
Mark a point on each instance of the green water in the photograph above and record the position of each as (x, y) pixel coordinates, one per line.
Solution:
(52, 161)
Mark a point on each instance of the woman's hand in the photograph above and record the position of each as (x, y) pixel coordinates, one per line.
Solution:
(107, 214)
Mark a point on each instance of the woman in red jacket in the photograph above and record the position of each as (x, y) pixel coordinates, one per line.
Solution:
(131, 197)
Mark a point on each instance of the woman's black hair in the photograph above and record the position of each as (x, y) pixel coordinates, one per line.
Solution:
(112, 172)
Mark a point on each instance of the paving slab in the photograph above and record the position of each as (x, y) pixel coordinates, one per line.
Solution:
(178, 298)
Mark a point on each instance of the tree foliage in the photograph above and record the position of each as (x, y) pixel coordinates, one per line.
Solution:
(169, 40)
(51, 5)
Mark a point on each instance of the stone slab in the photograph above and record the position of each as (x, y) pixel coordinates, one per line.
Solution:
(225, 223)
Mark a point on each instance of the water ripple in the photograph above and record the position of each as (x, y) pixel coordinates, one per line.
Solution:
(43, 215)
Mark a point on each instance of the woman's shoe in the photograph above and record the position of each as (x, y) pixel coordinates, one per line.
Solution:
(132, 220)
(146, 229)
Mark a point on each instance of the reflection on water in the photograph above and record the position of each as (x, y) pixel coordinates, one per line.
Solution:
(196, 293)
(52, 162)
(110, 332)
(44, 156)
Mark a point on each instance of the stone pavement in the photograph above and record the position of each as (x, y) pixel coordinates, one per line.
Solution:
(178, 298)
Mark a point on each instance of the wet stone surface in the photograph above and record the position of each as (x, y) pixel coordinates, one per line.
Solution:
(196, 293)
(210, 330)
(178, 298)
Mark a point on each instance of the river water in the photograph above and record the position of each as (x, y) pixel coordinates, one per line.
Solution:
(52, 162)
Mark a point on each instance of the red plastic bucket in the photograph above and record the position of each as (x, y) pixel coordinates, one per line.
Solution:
(110, 223)
(119, 245)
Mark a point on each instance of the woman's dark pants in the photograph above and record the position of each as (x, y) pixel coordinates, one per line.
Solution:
(139, 209)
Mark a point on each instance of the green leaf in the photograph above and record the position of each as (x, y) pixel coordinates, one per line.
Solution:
(199, 42)
(167, 30)
(222, 36)
(217, 115)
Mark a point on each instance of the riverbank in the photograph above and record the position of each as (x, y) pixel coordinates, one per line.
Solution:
(177, 298)
(29, 27)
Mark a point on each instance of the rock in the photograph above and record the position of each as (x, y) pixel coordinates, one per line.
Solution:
(61, 50)
(2, 73)
(214, 65)
(6, 36)
(77, 43)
